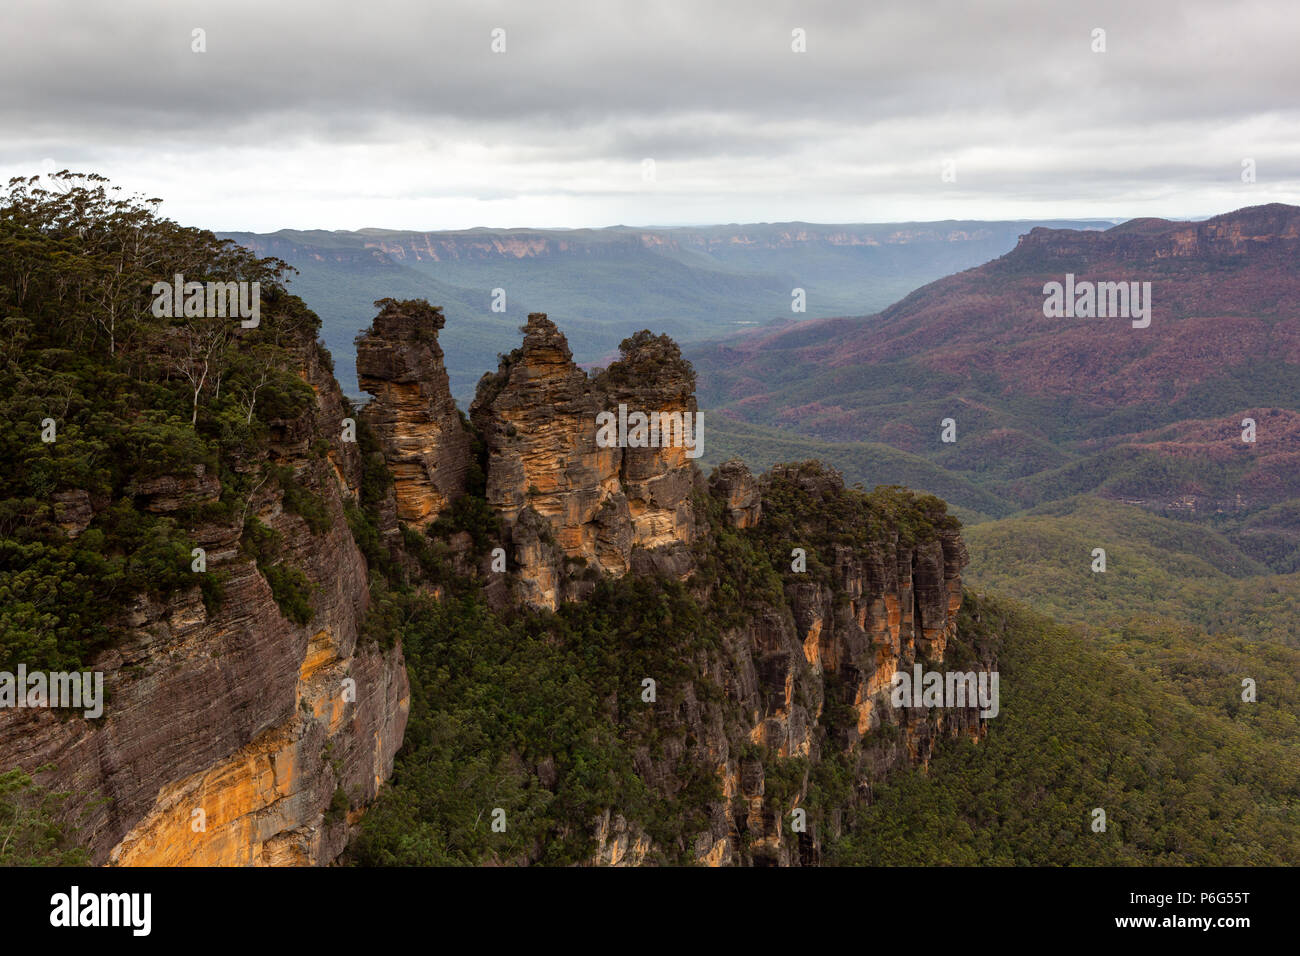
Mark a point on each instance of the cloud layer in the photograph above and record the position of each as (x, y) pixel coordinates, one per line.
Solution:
(330, 114)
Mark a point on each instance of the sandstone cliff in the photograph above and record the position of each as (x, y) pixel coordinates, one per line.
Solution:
(413, 414)
(804, 674)
(809, 677)
(237, 737)
(1262, 232)
(570, 506)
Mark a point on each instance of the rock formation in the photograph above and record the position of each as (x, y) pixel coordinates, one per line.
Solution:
(825, 658)
(733, 483)
(400, 364)
(598, 506)
(652, 378)
(236, 736)
(572, 510)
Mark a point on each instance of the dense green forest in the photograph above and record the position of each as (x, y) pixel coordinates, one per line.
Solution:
(124, 398)
(1148, 725)
(1157, 568)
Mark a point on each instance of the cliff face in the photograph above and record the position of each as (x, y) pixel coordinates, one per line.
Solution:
(228, 735)
(569, 504)
(238, 737)
(807, 676)
(511, 244)
(1263, 232)
(811, 678)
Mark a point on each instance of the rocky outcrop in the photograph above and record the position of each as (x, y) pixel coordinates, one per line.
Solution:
(400, 363)
(811, 672)
(570, 506)
(617, 844)
(232, 735)
(73, 511)
(238, 737)
(818, 673)
(653, 379)
(735, 485)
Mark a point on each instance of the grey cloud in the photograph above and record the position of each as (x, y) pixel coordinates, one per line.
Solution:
(1010, 87)
(577, 63)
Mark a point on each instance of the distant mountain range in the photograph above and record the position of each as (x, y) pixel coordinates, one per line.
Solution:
(1049, 408)
(605, 284)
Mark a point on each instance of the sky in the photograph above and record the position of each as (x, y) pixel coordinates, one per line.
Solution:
(401, 114)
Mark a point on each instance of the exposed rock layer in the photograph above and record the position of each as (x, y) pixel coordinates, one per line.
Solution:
(571, 506)
(816, 673)
(572, 509)
(227, 735)
(400, 363)
(242, 738)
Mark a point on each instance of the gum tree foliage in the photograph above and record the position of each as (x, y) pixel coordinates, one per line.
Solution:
(133, 398)
(29, 832)
(645, 356)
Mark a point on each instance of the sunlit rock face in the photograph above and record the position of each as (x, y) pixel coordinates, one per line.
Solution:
(601, 508)
(400, 363)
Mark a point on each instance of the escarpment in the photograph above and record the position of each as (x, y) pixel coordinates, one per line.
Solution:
(629, 662)
(336, 706)
(807, 674)
(259, 725)
(1261, 232)
(818, 595)
(231, 734)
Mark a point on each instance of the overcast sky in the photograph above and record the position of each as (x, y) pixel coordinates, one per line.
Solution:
(340, 114)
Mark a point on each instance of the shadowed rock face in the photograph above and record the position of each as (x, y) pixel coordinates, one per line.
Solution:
(810, 675)
(735, 485)
(226, 735)
(400, 363)
(601, 508)
(890, 606)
